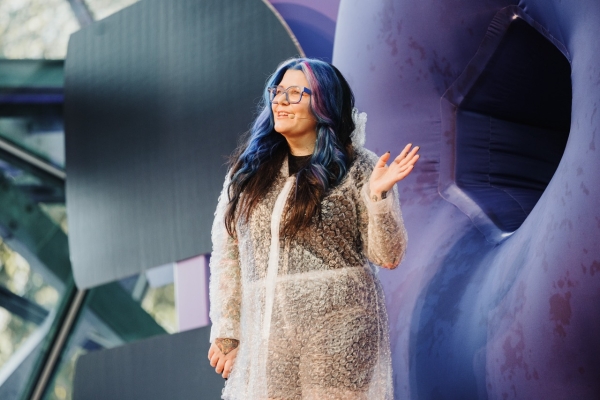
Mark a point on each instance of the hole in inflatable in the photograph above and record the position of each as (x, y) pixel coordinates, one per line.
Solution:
(509, 114)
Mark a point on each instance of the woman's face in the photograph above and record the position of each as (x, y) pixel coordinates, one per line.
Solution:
(294, 121)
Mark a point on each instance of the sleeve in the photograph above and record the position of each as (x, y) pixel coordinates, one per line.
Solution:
(225, 277)
(380, 223)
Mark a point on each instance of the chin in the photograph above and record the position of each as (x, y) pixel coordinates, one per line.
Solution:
(281, 130)
(282, 133)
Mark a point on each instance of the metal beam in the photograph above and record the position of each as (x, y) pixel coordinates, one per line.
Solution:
(41, 168)
(24, 308)
(58, 345)
(82, 12)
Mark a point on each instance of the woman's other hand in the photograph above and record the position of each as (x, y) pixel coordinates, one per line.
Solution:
(222, 354)
(384, 177)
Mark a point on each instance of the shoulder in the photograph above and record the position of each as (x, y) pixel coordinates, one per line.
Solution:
(363, 164)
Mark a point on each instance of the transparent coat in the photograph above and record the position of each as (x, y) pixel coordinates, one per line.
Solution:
(309, 311)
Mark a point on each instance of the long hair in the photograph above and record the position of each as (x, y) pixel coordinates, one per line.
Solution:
(256, 163)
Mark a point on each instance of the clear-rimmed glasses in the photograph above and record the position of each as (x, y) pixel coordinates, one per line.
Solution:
(293, 94)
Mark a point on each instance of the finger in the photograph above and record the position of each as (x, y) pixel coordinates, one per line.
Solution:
(214, 360)
(383, 160)
(414, 159)
(220, 365)
(403, 157)
(400, 168)
(211, 351)
(227, 368)
(410, 161)
(404, 173)
(413, 152)
(403, 153)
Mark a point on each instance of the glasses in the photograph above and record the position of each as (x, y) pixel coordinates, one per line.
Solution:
(293, 94)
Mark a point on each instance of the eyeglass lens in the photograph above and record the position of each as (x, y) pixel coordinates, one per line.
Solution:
(293, 94)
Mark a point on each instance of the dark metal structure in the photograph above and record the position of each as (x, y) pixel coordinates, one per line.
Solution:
(156, 97)
(162, 367)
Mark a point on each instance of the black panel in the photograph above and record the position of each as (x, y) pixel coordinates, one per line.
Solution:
(163, 367)
(156, 97)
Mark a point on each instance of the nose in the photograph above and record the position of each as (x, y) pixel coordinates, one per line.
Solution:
(281, 99)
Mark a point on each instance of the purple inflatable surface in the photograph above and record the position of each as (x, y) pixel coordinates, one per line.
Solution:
(479, 309)
(312, 22)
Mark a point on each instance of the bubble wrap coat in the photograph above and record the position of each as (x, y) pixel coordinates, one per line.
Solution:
(309, 311)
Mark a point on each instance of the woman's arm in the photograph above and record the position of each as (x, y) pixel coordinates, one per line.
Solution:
(225, 292)
(225, 277)
(382, 228)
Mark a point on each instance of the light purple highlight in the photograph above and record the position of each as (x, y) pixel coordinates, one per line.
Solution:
(327, 8)
(191, 293)
(316, 90)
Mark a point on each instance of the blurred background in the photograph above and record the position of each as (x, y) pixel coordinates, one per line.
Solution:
(36, 281)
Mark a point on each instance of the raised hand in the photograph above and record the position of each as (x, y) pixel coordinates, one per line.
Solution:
(384, 177)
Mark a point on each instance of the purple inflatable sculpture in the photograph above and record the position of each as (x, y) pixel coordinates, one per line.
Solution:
(499, 294)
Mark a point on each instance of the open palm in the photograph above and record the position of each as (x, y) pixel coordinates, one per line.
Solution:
(385, 176)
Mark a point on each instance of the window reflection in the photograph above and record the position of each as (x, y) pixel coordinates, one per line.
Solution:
(103, 8)
(15, 332)
(159, 302)
(57, 213)
(41, 135)
(35, 278)
(35, 28)
(17, 276)
(131, 309)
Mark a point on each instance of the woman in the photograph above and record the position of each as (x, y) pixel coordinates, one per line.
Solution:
(305, 212)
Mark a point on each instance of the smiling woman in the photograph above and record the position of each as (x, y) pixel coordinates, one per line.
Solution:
(292, 115)
(304, 217)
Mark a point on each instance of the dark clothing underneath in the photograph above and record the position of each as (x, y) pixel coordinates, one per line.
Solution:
(296, 163)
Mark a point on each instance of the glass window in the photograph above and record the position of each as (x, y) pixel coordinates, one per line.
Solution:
(57, 213)
(31, 116)
(103, 8)
(35, 279)
(35, 29)
(42, 136)
(114, 314)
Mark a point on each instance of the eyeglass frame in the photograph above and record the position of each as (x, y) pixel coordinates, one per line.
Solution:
(287, 98)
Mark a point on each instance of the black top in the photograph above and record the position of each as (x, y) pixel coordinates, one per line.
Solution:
(296, 163)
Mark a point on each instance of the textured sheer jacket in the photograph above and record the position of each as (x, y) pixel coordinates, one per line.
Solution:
(308, 311)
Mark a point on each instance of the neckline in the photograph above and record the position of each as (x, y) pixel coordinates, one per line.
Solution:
(296, 163)
(300, 157)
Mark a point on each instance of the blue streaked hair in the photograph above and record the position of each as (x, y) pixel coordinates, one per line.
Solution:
(257, 162)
